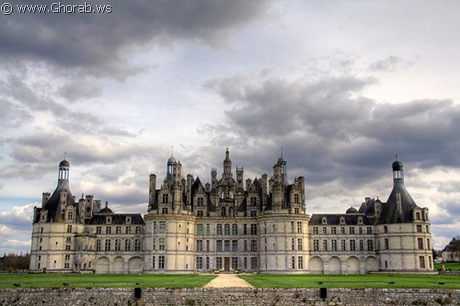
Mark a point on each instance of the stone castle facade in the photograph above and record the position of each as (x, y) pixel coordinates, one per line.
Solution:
(231, 224)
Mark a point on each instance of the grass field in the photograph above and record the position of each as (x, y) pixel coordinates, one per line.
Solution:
(257, 280)
(354, 281)
(453, 266)
(103, 280)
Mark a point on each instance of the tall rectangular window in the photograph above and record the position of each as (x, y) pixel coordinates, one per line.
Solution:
(369, 230)
(155, 229)
(199, 229)
(219, 263)
(199, 263)
(137, 245)
(234, 263)
(107, 245)
(245, 229)
(234, 245)
(422, 262)
(342, 230)
(292, 227)
(234, 229)
(98, 245)
(325, 245)
(108, 230)
(253, 229)
(208, 229)
(138, 230)
(352, 230)
(253, 245)
(199, 245)
(352, 245)
(118, 230)
(117, 245)
(161, 262)
(127, 245)
(361, 245)
(253, 263)
(69, 228)
(161, 244)
(420, 243)
(334, 245)
(219, 246)
(299, 244)
(162, 225)
(299, 227)
(98, 230)
(300, 262)
(387, 244)
(316, 245)
(315, 230)
(226, 245)
(343, 245)
(370, 245)
(128, 230)
(334, 230)
(292, 244)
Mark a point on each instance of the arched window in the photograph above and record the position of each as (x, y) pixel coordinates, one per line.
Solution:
(222, 212)
(227, 229)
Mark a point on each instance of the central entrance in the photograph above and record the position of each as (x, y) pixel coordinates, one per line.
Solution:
(226, 263)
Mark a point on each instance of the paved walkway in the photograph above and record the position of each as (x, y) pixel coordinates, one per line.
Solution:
(227, 281)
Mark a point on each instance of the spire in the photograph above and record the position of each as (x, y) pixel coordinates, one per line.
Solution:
(227, 165)
(282, 162)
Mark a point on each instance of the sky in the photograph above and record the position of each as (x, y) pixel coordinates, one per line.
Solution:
(341, 86)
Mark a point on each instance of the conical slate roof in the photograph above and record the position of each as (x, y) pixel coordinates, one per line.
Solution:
(53, 206)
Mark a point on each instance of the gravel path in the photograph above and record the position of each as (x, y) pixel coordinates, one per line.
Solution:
(228, 280)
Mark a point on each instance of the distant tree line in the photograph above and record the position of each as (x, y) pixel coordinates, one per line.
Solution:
(14, 262)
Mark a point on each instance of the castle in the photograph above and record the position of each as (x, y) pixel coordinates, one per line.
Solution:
(231, 224)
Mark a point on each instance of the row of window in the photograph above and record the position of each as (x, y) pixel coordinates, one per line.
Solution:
(118, 245)
(118, 230)
(342, 230)
(225, 229)
(332, 245)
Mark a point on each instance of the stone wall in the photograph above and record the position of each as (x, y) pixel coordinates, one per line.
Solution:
(228, 296)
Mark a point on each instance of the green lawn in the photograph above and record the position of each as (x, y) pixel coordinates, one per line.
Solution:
(103, 280)
(454, 266)
(354, 281)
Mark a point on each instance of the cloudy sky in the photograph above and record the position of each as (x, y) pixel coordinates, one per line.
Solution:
(341, 86)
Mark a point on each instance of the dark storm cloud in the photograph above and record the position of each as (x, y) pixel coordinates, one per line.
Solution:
(334, 133)
(36, 154)
(99, 43)
(80, 89)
